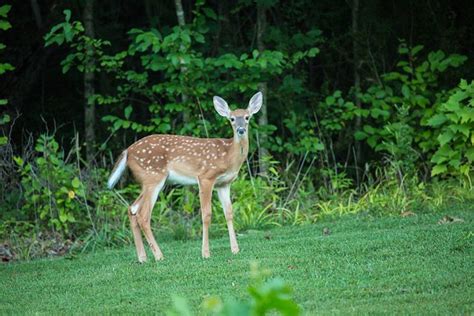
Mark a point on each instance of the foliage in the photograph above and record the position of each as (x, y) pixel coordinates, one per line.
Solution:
(52, 190)
(4, 67)
(72, 33)
(415, 87)
(64, 209)
(396, 111)
(189, 76)
(454, 126)
(265, 296)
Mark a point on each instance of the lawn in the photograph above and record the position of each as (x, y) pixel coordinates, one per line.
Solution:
(402, 265)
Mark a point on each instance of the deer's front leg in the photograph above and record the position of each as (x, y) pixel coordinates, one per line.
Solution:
(224, 198)
(205, 195)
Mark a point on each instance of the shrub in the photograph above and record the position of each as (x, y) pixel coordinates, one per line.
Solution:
(52, 190)
(454, 132)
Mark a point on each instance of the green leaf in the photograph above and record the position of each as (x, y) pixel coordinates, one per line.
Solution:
(403, 50)
(117, 124)
(210, 13)
(18, 160)
(470, 154)
(67, 13)
(445, 137)
(5, 25)
(4, 9)
(76, 183)
(128, 110)
(4, 67)
(63, 217)
(369, 129)
(416, 49)
(464, 129)
(437, 120)
(4, 119)
(463, 84)
(330, 100)
(313, 52)
(360, 135)
(380, 94)
(438, 169)
(372, 141)
(406, 91)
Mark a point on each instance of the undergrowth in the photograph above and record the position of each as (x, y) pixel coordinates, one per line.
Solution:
(62, 207)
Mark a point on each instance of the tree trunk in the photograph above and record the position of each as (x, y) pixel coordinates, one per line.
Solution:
(182, 23)
(180, 12)
(89, 107)
(356, 65)
(262, 86)
(36, 14)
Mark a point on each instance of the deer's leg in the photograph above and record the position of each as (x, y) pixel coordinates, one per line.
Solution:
(144, 216)
(224, 198)
(205, 195)
(137, 236)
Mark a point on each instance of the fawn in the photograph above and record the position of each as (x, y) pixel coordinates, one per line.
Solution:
(208, 162)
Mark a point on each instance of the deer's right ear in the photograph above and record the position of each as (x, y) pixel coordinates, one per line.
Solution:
(221, 106)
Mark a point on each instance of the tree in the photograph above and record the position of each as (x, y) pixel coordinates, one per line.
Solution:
(182, 23)
(89, 76)
(262, 86)
(356, 65)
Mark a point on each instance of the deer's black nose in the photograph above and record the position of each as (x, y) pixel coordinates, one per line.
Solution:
(241, 130)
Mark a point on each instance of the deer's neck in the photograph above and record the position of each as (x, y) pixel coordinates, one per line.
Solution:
(240, 148)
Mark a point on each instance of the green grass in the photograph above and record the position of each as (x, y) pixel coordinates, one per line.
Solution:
(366, 265)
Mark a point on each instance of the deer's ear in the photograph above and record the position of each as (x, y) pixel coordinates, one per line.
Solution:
(221, 106)
(255, 103)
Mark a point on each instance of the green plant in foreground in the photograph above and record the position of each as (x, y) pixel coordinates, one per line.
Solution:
(265, 296)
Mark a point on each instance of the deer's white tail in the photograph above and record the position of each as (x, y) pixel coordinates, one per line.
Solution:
(119, 168)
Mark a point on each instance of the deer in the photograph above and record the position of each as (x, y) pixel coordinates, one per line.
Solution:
(210, 163)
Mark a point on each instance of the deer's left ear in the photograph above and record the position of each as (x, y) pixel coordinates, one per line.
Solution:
(255, 103)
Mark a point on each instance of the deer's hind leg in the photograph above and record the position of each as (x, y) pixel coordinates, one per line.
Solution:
(143, 217)
(137, 236)
(205, 195)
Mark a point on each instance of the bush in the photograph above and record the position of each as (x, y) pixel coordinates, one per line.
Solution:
(454, 132)
(53, 195)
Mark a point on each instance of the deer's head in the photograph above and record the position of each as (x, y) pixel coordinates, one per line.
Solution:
(240, 118)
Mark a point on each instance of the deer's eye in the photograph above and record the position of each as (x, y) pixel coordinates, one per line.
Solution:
(246, 117)
(232, 119)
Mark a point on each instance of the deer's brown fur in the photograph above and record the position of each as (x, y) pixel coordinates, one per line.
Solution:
(211, 163)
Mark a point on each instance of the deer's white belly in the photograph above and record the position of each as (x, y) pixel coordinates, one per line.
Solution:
(227, 177)
(177, 178)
